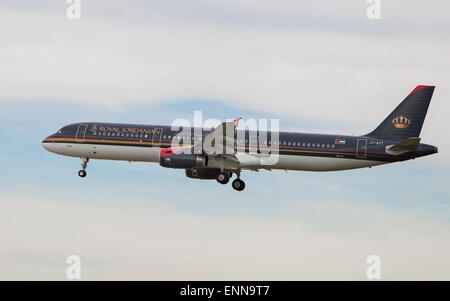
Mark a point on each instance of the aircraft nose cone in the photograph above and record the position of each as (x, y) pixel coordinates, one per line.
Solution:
(47, 145)
(435, 149)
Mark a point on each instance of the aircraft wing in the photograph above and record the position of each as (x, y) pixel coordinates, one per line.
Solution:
(220, 144)
(221, 141)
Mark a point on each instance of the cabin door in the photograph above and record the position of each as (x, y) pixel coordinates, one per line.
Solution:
(81, 133)
(253, 145)
(157, 136)
(361, 148)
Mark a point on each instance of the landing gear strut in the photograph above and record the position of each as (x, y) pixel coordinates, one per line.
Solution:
(82, 173)
(223, 177)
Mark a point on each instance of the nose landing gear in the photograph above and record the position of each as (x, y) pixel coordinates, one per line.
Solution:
(82, 173)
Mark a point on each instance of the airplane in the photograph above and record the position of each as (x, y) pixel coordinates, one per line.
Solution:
(225, 150)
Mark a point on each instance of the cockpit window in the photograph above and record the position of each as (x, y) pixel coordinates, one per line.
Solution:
(63, 131)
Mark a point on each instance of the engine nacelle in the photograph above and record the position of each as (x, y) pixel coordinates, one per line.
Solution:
(202, 173)
(170, 159)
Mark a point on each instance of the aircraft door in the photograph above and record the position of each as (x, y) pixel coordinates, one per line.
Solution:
(81, 132)
(157, 133)
(253, 143)
(361, 148)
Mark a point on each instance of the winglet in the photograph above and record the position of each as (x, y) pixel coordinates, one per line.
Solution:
(236, 121)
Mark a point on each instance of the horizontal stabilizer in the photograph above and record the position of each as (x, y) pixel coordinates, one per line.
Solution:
(406, 145)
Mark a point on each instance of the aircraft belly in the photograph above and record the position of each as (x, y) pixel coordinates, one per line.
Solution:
(310, 163)
(151, 154)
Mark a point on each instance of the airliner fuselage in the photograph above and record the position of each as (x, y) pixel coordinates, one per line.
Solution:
(395, 139)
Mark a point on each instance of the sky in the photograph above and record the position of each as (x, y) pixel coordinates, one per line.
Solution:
(317, 66)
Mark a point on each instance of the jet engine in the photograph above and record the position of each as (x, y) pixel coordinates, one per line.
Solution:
(171, 159)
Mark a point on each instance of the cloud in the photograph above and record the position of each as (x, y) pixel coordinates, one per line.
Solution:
(315, 72)
(151, 241)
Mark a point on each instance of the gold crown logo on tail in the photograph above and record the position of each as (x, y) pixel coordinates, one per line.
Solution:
(401, 122)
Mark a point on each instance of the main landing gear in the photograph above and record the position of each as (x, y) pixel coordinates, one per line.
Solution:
(238, 184)
(82, 173)
(223, 177)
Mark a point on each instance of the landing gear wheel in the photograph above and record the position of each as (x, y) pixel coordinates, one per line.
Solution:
(82, 173)
(223, 178)
(238, 185)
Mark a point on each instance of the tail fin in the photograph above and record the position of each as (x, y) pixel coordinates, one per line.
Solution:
(407, 119)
